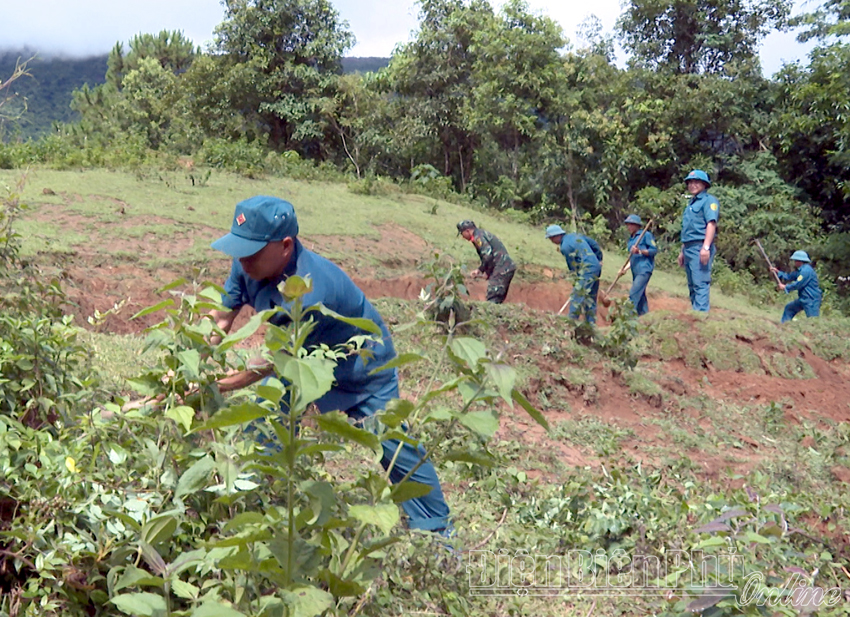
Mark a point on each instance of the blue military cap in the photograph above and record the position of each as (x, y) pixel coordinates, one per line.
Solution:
(256, 222)
(698, 174)
(633, 218)
(801, 256)
(554, 230)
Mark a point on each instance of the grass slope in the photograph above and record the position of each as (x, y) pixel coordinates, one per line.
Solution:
(729, 410)
(166, 204)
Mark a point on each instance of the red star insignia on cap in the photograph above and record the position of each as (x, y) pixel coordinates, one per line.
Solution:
(240, 219)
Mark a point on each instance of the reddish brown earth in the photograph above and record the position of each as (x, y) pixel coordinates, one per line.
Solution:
(96, 280)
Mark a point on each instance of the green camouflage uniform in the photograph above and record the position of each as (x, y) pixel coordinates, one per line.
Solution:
(495, 263)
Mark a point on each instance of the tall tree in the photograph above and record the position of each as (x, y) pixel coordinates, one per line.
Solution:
(433, 74)
(290, 52)
(831, 19)
(172, 50)
(698, 36)
(514, 83)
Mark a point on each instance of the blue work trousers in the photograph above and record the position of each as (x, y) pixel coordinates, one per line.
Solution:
(637, 294)
(795, 306)
(430, 512)
(583, 298)
(699, 276)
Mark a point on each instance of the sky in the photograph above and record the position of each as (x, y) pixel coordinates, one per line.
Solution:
(91, 27)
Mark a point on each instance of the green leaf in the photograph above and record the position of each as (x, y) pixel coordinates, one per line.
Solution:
(271, 393)
(341, 588)
(712, 541)
(144, 604)
(311, 376)
(244, 332)
(409, 490)
(230, 416)
(336, 422)
(465, 456)
(306, 601)
(295, 287)
(184, 590)
(397, 411)
(322, 501)
(752, 536)
(504, 378)
(400, 360)
(136, 577)
(530, 409)
(182, 415)
(214, 609)
(384, 516)
(243, 519)
(469, 350)
(159, 529)
(153, 309)
(211, 293)
(172, 285)
(358, 322)
(191, 361)
(484, 423)
(195, 478)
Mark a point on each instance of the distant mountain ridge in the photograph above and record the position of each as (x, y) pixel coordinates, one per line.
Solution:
(48, 91)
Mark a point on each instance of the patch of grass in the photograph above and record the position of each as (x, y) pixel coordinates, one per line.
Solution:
(117, 357)
(40, 236)
(681, 431)
(641, 385)
(604, 438)
(789, 367)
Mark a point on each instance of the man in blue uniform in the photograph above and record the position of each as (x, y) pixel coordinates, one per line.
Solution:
(496, 265)
(263, 242)
(584, 259)
(641, 262)
(699, 227)
(804, 280)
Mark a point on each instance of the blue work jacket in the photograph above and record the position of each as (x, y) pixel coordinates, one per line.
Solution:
(334, 289)
(582, 254)
(805, 282)
(640, 264)
(700, 211)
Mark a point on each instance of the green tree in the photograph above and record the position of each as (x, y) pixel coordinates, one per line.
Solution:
(353, 115)
(172, 50)
(831, 19)
(514, 84)
(432, 75)
(141, 96)
(698, 36)
(289, 54)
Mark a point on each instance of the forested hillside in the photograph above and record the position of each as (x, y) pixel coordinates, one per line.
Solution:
(46, 94)
(489, 106)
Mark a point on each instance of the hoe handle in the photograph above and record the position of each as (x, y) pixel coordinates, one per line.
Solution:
(767, 259)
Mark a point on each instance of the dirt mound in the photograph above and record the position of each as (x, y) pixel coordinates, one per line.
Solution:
(543, 296)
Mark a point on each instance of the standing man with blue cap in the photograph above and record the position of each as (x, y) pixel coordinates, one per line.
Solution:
(804, 280)
(699, 228)
(642, 251)
(584, 259)
(263, 242)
